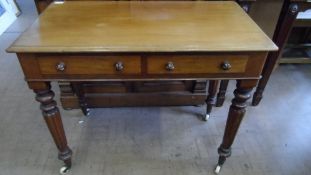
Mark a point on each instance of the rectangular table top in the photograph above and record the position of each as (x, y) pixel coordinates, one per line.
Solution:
(143, 26)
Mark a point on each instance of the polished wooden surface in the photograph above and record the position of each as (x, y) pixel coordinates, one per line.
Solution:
(40, 69)
(110, 135)
(152, 66)
(42, 4)
(260, 12)
(143, 27)
(176, 92)
(77, 65)
(196, 64)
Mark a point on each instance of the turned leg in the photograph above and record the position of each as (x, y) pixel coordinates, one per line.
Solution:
(222, 93)
(53, 120)
(285, 23)
(78, 88)
(235, 116)
(211, 98)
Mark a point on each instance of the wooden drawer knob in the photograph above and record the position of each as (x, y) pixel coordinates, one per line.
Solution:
(61, 66)
(170, 66)
(226, 65)
(119, 66)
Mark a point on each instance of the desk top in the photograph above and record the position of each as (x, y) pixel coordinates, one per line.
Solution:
(143, 26)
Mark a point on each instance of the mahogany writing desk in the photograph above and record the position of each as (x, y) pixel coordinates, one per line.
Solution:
(132, 41)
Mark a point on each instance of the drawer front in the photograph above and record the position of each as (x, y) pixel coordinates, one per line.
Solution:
(89, 65)
(196, 64)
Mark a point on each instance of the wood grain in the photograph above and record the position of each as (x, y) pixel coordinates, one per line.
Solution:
(101, 67)
(89, 64)
(143, 27)
(196, 64)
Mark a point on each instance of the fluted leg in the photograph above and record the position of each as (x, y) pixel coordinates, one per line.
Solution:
(53, 120)
(222, 93)
(211, 98)
(78, 88)
(235, 116)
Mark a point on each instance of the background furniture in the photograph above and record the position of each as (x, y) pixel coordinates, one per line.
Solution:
(297, 49)
(287, 18)
(286, 21)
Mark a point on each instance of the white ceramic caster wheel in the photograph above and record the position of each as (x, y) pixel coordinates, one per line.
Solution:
(217, 169)
(87, 112)
(64, 170)
(206, 117)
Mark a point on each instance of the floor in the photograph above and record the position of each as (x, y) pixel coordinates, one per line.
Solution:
(274, 138)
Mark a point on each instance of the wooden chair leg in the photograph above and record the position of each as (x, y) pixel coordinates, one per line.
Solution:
(211, 98)
(222, 93)
(284, 26)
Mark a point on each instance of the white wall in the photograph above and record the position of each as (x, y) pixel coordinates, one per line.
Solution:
(8, 17)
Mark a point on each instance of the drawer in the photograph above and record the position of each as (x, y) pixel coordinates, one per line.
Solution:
(89, 65)
(196, 64)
